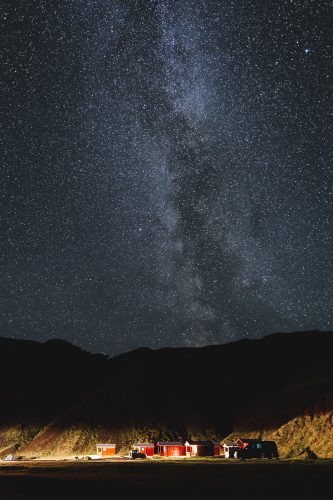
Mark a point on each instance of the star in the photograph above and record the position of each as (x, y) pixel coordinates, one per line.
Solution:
(166, 171)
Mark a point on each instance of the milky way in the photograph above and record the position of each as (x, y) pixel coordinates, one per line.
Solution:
(166, 174)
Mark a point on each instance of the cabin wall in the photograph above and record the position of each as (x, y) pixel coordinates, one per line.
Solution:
(172, 451)
(107, 452)
(217, 451)
(176, 451)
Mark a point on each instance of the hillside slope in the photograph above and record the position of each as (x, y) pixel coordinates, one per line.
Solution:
(311, 431)
(40, 382)
(251, 386)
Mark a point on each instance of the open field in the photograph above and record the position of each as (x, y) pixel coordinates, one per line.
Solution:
(37, 480)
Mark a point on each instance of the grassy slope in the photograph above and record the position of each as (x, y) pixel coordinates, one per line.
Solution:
(266, 388)
(13, 437)
(278, 386)
(313, 430)
(40, 381)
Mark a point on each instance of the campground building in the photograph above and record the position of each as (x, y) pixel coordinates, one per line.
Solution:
(106, 449)
(202, 449)
(171, 449)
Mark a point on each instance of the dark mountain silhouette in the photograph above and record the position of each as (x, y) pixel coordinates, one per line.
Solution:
(40, 382)
(249, 386)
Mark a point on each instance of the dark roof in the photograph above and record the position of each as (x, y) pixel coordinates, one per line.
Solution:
(143, 444)
(243, 440)
(170, 443)
(249, 440)
(201, 443)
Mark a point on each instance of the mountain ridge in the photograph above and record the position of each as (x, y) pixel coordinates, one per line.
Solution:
(248, 386)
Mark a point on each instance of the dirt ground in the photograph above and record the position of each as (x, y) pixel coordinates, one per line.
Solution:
(49, 480)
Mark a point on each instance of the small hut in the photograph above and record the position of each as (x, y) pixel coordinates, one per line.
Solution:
(171, 449)
(106, 449)
(202, 449)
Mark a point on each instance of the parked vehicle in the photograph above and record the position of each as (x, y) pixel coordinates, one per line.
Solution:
(134, 454)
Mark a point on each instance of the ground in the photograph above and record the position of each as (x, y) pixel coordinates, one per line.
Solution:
(49, 480)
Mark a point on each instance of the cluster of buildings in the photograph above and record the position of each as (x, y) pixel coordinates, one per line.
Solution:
(241, 448)
(167, 449)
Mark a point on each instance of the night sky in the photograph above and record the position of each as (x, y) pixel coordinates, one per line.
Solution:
(166, 170)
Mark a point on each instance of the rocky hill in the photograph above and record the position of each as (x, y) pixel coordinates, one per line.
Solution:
(278, 387)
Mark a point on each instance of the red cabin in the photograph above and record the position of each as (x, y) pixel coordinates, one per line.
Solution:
(146, 448)
(202, 449)
(171, 449)
(106, 449)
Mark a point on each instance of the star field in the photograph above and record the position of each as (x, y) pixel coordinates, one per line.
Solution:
(166, 173)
